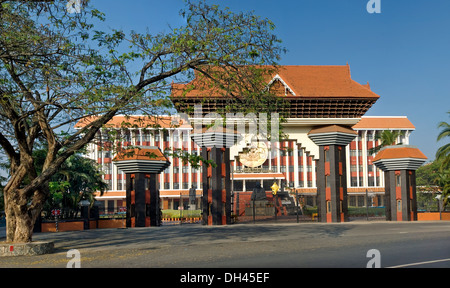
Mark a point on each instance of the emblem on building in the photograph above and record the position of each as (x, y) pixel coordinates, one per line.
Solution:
(254, 155)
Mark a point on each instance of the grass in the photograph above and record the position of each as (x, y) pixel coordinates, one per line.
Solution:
(170, 213)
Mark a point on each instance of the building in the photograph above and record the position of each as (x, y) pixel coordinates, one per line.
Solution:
(319, 95)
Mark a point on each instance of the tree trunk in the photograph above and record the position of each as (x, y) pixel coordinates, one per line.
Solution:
(10, 222)
(24, 225)
(21, 212)
(20, 221)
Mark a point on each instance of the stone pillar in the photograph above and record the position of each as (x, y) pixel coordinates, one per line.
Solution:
(399, 163)
(331, 171)
(141, 167)
(215, 144)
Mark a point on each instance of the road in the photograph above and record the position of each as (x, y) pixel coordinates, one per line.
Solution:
(288, 245)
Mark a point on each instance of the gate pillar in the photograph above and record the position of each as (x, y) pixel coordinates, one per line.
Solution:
(331, 171)
(141, 167)
(216, 202)
(399, 163)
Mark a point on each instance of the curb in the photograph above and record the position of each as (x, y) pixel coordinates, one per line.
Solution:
(26, 249)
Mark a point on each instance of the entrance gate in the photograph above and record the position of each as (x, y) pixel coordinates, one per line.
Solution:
(282, 206)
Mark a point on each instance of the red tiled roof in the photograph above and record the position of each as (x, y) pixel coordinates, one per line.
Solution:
(393, 152)
(304, 81)
(135, 121)
(384, 123)
(332, 128)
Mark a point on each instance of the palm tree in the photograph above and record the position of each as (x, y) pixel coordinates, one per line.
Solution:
(443, 154)
(83, 178)
(77, 179)
(387, 138)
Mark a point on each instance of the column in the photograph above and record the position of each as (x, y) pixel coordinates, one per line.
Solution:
(399, 163)
(331, 171)
(295, 165)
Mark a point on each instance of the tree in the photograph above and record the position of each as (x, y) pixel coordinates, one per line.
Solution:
(78, 178)
(387, 137)
(443, 155)
(51, 77)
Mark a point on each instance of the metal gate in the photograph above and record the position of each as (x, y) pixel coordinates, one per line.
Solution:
(281, 207)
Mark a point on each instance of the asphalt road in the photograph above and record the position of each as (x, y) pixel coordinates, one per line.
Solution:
(288, 245)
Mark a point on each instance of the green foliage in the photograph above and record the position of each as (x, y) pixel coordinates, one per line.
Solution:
(443, 153)
(442, 177)
(434, 177)
(387, 137)
(170, 213)
(77, 179)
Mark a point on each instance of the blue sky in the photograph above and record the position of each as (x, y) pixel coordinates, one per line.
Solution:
(403, 52)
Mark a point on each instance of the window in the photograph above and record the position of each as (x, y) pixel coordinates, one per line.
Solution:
(108, 184)
(354, 182)
(360, 201)
(110, 206)
(352, 201)
(120, 184)
(185, 136)
(328, 206)
(399, 205)
(107, 167)
(127, 137)
(166, 136)
(146, 137)
(327, 155)
(238, 185)
(147, 183)
(398, 180)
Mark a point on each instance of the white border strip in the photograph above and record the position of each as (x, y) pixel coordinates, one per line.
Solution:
(419, 263)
